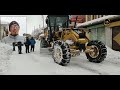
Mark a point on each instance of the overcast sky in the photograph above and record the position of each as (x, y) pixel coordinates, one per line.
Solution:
(27, 22)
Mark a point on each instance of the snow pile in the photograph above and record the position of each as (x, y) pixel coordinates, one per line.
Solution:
(5, 52)
(113, 55)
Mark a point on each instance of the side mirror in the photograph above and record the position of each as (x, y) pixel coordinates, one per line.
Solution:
(107, 21)
(46, 21)
(89, 30)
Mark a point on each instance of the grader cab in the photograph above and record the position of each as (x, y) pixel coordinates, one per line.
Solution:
(66, 41)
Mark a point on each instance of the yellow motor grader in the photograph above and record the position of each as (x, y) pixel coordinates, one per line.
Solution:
(66, 41)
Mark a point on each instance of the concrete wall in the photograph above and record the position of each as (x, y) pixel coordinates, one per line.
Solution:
(97, 32)
(108, 34)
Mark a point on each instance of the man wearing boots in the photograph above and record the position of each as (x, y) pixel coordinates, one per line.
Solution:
(14, 44)
(27, 44)
(19, 44)
(33, 42)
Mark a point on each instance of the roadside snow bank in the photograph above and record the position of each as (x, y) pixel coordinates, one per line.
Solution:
(5, 52)
(113, 55)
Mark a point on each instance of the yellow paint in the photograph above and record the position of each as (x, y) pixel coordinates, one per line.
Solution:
(73, 47)
(117, 38)
(86, 18)
(76, 35)
(88, 47)
(82, 41)
(117, 23)
(70, 37)
(91, 17)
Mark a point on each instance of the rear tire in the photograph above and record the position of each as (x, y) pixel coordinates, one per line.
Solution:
(61, 53)
(102, 51)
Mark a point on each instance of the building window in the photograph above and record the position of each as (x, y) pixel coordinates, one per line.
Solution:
(88, 17)
(94, 16)
(99, 16)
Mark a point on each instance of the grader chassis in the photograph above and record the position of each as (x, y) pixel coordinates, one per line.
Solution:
(66, 41)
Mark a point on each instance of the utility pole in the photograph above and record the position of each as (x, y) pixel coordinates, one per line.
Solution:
(0, 30)
(39, 28)
(34, 31)
(43, 20)
(26, 25)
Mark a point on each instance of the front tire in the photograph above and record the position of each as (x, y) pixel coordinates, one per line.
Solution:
(100, 51)
(61, 53)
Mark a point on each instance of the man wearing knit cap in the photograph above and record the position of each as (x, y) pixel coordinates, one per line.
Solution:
(14, 36)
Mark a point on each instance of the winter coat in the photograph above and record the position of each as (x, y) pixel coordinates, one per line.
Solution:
(10, 39)
(19, 44)
(32, 41)
(27, 42)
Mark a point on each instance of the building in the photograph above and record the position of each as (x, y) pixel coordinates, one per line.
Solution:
(92, 17)
(108, 33)
(3, 29)
(80, 18)
(76, 19)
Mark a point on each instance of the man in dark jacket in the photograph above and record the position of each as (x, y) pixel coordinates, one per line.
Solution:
(32, 41)
(27, 44)
(19, 44)
(14, 44)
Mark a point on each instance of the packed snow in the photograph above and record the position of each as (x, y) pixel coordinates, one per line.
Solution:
(36, 63)
(5, 52)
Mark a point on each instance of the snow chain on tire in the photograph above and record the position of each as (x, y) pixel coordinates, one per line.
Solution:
(65, 53)
(102, 51)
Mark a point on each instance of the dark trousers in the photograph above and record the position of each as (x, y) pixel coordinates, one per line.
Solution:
(13, 47)
(20, 49)
(27, 48)
(32, 48)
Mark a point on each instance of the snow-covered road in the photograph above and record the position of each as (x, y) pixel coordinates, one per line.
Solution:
(35, 63)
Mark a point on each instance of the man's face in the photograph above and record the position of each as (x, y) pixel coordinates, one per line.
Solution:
(14, 29)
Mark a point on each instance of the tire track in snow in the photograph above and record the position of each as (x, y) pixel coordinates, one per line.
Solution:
(117, 64)
(91, 67)
(84, 66)
(34, 54)
(103, 68)
(82, 62)
(60, 69)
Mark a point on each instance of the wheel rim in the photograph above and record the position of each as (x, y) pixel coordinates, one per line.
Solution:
(58, 54)
(94, 52)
